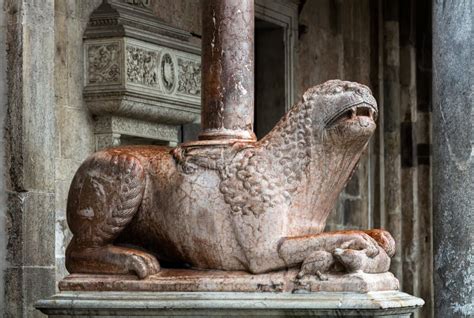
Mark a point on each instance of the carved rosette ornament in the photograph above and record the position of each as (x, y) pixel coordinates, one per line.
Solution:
(168, 78)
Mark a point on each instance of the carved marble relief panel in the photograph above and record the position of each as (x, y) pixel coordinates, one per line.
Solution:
(103, 63)
(163, 71)
(139, 3)
(142, 67)
(189, 77)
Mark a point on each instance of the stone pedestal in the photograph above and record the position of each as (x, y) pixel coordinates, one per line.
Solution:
(186, 280)
(211, 293)
(236, 304)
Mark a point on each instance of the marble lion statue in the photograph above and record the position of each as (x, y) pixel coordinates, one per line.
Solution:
(252, 206)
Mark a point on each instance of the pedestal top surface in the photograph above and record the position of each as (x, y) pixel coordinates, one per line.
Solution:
(187, 280)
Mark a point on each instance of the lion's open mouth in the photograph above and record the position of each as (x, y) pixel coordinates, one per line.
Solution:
(351, 113)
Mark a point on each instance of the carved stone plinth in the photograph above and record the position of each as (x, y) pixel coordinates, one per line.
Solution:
(115, 131)
(202, 304)
(185, 280)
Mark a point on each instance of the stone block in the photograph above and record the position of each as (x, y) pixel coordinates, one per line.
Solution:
(38, 283)
(29, 229)
(37, 108)
(66, 168)
(14, 228)
(75, 62)
(38, 235)
(14, 297)
(77, 136)
(24, 286)
(62, 189)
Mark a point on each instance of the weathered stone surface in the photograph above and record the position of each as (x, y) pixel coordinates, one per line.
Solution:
(387, 304)
(391, 129)
(25, 286)
(75, 134)
(3, 113)
(143, 186)
(29, 142)
(453, 158)
(108, 128)
(186, 280)
(76, 137)
(228, 64)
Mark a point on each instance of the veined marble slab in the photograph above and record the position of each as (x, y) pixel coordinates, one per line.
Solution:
(229, 304)
(186, 280)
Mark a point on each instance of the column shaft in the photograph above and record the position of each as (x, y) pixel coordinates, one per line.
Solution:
(227, 70)
(453, 160)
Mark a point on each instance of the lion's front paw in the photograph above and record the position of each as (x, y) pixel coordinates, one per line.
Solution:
(384, 239)
(362, 242)
(111, 259)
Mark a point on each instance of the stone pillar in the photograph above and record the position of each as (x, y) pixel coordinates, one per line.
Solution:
(391, 130)
(409, 173)
(227, 70)
(29, 156)
(453, 158)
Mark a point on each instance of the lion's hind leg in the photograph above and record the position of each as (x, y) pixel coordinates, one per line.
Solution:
(105, 194)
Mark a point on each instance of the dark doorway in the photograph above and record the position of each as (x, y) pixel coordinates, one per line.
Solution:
(269, 76)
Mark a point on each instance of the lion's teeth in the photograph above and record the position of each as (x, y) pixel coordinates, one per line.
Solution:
(353, 112)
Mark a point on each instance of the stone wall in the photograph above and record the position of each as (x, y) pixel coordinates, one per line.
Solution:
(28, 145)
(387, 46)
(3, 112)
(335, 42)
(75, 138)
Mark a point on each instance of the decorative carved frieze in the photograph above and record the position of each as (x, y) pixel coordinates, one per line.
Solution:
(103, 63)
(142, 66)
(150, 69)
(189, 77)
(139, 3)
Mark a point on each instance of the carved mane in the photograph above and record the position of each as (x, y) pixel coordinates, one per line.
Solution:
(266, 174)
